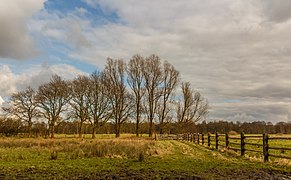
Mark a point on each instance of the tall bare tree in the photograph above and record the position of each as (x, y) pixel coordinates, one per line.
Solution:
(192, 108)
(153, 76)
(135, 80)
(100, 109)
(170, 81)
(52, 98)
(23, 105)
(80, 91)
(120, 98)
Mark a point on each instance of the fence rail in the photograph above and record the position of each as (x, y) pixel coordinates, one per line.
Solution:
(238, 143)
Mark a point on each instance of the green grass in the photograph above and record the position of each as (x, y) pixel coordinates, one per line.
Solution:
(31, 158)
(256, 155)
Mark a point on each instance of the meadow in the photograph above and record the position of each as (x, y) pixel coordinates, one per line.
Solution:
(127, 157)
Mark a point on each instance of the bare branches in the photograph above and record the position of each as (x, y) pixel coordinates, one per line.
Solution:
(80, 91)
(192, 108)
(52, 98)
(23, 105)
(143, 88)
(170, 81)
(100, 109)
(120, 98)
(136, 82)
(152, 72)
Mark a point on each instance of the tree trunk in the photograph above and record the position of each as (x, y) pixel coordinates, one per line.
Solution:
(161, 129)
(117, 130)
(137, 125)
(151, 128)
(80, 129)
(94, 132)
(52, 131)
(30, 129)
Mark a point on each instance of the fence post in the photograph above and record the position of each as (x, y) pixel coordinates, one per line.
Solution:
(198, 138)
(226, 140)
(202, 136)
(266, 147)
(188, 137)
(242, 144)
(208, 139)
(216, 140)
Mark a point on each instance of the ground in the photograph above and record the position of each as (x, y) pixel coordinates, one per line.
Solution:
(128, 159)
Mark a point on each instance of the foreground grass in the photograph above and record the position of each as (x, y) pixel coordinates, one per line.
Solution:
(123, 158)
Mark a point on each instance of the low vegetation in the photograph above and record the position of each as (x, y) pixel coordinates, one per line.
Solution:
(125, 157)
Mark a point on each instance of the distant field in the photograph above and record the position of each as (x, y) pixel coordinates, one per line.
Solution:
(98, 136)
(126, 157)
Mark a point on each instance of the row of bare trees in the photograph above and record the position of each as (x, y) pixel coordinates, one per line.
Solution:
(142, 90)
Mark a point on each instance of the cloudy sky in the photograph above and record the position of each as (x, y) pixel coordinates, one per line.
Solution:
(236, 53)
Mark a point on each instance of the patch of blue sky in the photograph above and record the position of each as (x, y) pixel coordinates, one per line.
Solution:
(96, 15)
(58, 53)
(18, 67)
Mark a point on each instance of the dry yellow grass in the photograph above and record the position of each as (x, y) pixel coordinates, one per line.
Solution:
(78, 148)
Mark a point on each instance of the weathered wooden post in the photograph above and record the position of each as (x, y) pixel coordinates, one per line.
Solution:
(266, 147)
(216, 140)
(226, 140)
(202, 136)
(242, 144)
(198, 138)
(188, 137)
(208, 139)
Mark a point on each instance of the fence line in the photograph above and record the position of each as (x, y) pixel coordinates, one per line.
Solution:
(230, 142)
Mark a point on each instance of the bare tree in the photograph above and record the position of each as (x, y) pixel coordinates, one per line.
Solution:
(120, 98)
(100, 109)
(23, 105)
(153, 78)
(135, 80)
(80, 91)
(52, 98)
(169, 83)
(192, 108)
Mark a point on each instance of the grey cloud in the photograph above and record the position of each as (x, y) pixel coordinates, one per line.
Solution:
(256, 111)
(228, 50)
(69, 29)
(275, 91)
(278, 10)
(15, 41)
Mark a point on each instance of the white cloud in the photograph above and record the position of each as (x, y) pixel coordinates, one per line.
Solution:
(227, 49)
(34, 76)
(15, 41)
(1, 101)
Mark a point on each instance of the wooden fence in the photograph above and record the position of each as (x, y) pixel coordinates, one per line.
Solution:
(242, 143)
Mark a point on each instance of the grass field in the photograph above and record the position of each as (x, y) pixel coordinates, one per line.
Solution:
(259, 140)
(125, 158)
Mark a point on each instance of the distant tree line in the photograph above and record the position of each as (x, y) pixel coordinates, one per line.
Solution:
(145, 95)
(13, 127)
(257, 127)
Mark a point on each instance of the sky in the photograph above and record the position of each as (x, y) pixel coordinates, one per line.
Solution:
(236, 53)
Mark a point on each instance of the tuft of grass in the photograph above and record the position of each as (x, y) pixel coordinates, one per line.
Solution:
(54, 155)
